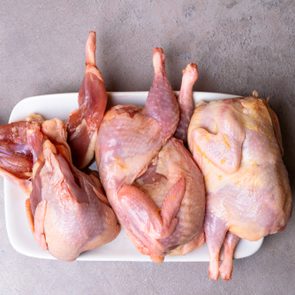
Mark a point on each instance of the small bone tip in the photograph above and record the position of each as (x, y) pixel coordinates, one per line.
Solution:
(191, 72)
(92, 34)
(158, 54)
(158, 59)
(158, 50)
(213, 276)
(226, 276)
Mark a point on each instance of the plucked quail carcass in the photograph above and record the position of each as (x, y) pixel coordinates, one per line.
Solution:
(83, 123)
(150, 179)
(67, 209)
(237, 144)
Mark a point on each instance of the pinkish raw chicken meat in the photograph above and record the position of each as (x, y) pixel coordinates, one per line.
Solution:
(237, 145)
(83, 124)
(67, 209)
(151, 181)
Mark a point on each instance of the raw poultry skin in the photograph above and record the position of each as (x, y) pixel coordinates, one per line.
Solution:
(172, 161)
(237, 145)
(151, 181)
(71, 214)
(16, 156)
(186, 101)
(83, 123)
(67, 209)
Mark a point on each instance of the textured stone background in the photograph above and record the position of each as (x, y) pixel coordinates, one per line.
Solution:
(239, 46)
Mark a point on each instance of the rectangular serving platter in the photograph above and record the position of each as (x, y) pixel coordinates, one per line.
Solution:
(121, 249)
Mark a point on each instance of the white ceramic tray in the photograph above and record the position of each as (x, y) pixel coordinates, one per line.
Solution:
(121, 249)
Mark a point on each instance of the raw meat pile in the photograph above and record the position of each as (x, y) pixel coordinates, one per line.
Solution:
(172, 174)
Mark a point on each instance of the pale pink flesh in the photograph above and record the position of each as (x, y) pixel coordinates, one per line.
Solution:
(145, 216)
(172, 161)
(237, 145)
(130, 135)
(70, 213)
(16, 153)
(39, 218)
(215, 231)
(171, 205)
(185, 100)
(230, 243)
(75, 220)
(130, 139)
(83, 123)
(216, 238)
(161, 103)
(21, 145)
(67, 210)
(223, 148)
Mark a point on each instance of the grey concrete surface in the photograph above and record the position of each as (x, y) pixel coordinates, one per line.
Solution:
(239, 46)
